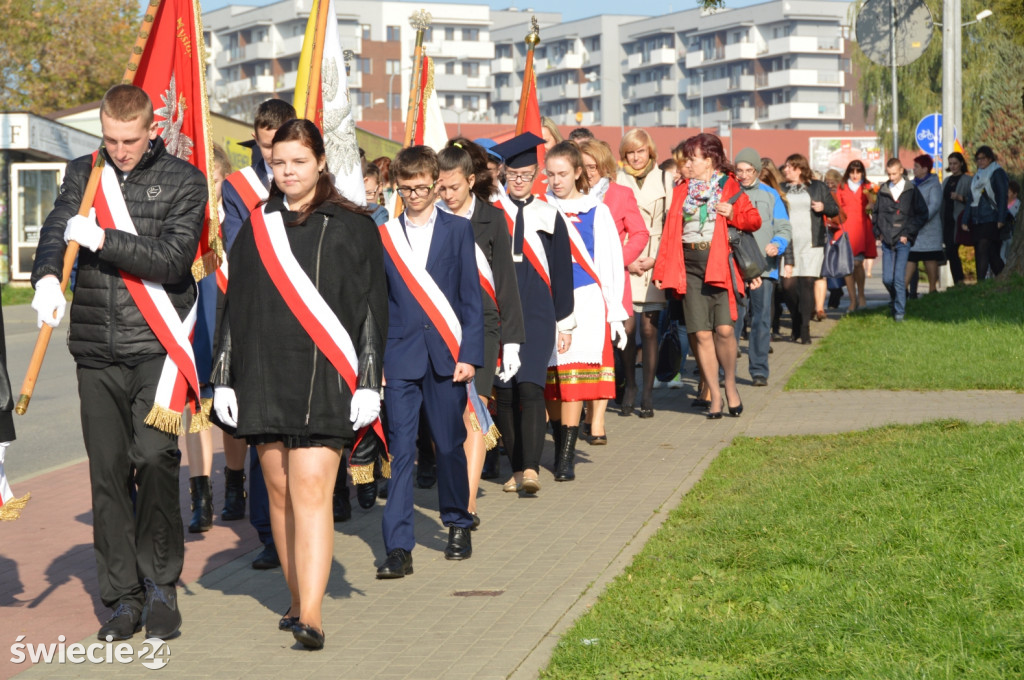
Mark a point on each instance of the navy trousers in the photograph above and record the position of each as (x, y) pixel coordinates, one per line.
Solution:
(443, 403)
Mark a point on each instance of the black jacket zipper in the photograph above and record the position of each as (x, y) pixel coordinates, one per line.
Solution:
(316, 282)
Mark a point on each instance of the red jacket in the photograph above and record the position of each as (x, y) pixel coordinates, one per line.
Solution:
(670, 268)
(857, 226)
(629, 222)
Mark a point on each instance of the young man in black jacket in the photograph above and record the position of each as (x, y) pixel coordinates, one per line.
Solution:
(134, 284)
(900, 212)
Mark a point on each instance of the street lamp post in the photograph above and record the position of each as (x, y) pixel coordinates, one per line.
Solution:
(952, 70)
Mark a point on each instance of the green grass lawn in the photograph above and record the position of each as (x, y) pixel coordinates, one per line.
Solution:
(886, 554)
(965, 338)
(21, 295)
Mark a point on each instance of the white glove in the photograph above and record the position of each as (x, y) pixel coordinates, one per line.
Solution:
(85, 231)
(365, 408)
(618, 334)
(225, 405)
(510, 362)
(3, 451)
(49, 302)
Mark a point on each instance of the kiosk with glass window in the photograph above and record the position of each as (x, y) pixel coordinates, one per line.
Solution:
(33, 154)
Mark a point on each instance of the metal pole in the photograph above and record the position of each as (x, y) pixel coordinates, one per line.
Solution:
(895, 87)
(950, 24)
(958, 71)
(701, 72)
(391, 82)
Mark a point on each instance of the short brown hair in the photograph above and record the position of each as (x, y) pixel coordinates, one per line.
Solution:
(126, 103)
(602, 155)
(413, 161)
(272, 114)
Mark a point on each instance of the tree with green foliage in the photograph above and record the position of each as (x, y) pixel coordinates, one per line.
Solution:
(55, 54)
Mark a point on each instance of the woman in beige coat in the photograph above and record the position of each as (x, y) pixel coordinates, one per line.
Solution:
(653, 190)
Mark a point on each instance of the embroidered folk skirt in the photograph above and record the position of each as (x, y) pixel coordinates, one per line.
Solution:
(587, 370)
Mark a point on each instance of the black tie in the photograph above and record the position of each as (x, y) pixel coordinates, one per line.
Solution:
(519, 229)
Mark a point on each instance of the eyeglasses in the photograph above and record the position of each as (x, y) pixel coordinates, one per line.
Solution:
(421, 191)
(590, 167)
(520, 176)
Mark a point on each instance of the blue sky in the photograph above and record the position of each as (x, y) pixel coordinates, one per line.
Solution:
(571, 9)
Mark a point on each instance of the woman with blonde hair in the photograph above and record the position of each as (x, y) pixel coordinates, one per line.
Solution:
(599, 167)
(549, 131)
(652, 188)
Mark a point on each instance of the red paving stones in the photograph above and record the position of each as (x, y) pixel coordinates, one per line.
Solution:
(47, 569)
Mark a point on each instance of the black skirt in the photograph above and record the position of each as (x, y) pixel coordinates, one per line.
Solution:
(705, 307)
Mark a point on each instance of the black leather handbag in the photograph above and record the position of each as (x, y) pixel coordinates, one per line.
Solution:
(749, 259)
(838, 258)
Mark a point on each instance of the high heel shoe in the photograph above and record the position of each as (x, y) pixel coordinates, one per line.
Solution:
(715, 415)
(735, 412)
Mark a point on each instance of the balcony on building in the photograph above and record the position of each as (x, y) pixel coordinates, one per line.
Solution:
(654, 118)
(806, 44)
(805, 111)
(252, 85)
(257, 51)
(652, 88)
(503, 65)
(589, 118)
(801, 77)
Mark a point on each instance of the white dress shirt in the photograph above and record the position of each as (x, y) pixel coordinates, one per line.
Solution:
(419, 236)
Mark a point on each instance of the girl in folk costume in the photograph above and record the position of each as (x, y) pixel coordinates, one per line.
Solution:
(695, 261)
(464, 185)
(300, 363)
(599, 168)
(543, 264)
(587, 370)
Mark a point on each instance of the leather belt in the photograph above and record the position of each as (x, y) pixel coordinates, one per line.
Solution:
(699, 245)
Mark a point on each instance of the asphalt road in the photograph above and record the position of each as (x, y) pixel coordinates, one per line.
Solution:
(49, 435)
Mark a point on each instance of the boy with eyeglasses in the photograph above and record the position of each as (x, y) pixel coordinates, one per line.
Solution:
(435, 344)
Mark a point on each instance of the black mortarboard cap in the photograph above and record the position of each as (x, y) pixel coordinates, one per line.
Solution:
(520, 151)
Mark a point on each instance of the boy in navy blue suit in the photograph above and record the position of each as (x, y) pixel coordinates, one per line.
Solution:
(435, 344)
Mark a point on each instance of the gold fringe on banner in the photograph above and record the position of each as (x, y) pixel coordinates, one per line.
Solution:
(165, 420)
(11, 510)
(361, 474)
(491, 437)
(385, 467)
(200, 422)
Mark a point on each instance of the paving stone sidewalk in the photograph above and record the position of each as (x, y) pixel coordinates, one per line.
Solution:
(538, 563)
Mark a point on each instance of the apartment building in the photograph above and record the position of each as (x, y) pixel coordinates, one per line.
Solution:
(781, 64)
(578, 64)
(254, 54)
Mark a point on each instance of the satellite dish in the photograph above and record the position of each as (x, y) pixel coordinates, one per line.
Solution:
(914, 29)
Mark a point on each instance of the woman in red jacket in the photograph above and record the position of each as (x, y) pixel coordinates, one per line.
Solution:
(695, 261)
(600, 168)
(854, 199)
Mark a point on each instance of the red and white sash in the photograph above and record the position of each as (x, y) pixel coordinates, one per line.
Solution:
(178, 386)
(252, 192)
(304, 300)
(532, 246)
(422, 285)
(486, 275)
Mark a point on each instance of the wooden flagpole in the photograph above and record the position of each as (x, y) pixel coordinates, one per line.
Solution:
(43, 339)
(532, 40)
(421, 22)
(313, 83)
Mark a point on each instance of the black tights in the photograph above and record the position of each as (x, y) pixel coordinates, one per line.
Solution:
(649, 335)
(798, 292)
(521, 421)
(986, 256)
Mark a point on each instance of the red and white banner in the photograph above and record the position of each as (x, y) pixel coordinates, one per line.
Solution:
(178, 386)
(172, 71)
(430, 129)
(304, 300)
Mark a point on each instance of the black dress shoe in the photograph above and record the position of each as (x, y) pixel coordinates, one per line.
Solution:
(287, 622)
(163, 619)
(125, 622)
(267, 559)
(492, 465)
(308, 636)
(626, 410)
(737, 411)
(397, 565)
(426, 476)
(342, 505)
(382, 488)
(366, 494)
(476, 520)
(646, 412)
(460, 545)
(715, 415)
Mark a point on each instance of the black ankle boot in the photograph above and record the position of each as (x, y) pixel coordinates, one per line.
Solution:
(202, 504)
(234, 495)
(565, 465)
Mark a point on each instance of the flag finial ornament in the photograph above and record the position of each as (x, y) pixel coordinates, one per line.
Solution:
(533, 37)
(420, 20)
